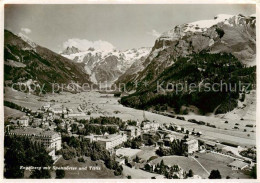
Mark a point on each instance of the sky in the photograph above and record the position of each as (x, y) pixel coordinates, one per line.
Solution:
(107, 26)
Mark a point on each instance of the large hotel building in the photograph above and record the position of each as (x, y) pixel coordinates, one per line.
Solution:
(51, 140)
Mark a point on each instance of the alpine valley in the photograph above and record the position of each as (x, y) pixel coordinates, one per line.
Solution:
(183, 108)
(208, 51)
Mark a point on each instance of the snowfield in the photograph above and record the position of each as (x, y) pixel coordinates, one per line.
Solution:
(94, 58)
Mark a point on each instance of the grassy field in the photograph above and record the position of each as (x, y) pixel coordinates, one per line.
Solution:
(137, 173)
(12, 113)
(185, 163)
(208, 160)
(23, 99)
(128, 152)
(244, 114)
(218, 162)
(146, 153)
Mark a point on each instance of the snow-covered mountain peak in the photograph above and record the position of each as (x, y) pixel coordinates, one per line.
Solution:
(202, 26)
(106, 64)
(222, 17)
(70, 50)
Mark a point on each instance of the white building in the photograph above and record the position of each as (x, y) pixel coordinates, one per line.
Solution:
(93, 138)
(111, 141)
(23, 121)
(50, 139)
(192, 145)
(238, 165)
(150, 126)
(75, 114)
(57, 110)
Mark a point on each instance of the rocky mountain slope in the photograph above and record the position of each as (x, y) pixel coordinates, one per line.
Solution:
(105, 66)
(223, 34)
(29, 63)
(207, 51)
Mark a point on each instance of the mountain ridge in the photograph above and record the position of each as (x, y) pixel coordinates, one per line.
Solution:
(215, 36)
(105, 65)
(194, 52)
(30, 63)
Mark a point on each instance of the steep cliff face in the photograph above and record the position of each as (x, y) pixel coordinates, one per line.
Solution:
(199, 52)
(223, 34)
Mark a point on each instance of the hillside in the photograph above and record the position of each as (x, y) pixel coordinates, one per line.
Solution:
(200, 53)
(223, 34)
(27, 62)
(201, 71)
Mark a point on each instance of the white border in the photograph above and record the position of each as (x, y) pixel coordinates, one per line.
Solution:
(3, 2)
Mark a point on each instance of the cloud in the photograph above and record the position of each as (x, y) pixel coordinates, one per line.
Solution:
(154, 33)
(84, 44)
(26, 30)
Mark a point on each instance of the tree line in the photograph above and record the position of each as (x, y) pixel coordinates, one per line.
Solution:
(21, 151)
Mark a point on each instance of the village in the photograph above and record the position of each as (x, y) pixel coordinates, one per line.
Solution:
(145, 149)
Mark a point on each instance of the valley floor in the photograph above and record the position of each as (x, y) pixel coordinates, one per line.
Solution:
(107, 105)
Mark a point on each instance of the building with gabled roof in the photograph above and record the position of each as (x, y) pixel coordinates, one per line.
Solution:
(238, 165)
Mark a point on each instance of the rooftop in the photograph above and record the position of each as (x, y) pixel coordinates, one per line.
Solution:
(57, 108)
(34, 131)
(110, 137)
(131, 127)
(191, 141)
(238, 163)
(24, 117)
